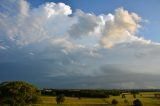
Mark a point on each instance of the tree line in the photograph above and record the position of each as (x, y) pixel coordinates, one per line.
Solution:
(81, 93)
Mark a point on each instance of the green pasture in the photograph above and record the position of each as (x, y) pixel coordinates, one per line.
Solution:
(147, 98)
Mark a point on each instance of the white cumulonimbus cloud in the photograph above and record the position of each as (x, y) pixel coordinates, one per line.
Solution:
(85, 24)
(121, 27)
(24, 25)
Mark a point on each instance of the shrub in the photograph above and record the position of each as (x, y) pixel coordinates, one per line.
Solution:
(137, 102)
(114, 102)
(123, 96)
(134, 95)
(60, 99)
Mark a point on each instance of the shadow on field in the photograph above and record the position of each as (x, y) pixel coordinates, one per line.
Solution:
(156, 104)
(152, 97)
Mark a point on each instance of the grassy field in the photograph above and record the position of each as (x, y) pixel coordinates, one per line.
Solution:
(147, 98)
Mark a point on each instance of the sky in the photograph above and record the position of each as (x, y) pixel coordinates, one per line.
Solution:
(84, 44)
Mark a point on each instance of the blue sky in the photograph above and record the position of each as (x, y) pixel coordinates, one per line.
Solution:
(81, 44)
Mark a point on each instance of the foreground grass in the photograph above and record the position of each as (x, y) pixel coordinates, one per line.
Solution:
(146, 98)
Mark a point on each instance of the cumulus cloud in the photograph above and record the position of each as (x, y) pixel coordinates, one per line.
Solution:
(121, 27)
(64, 43)
(24, 25)
(85, 25)
(57, 9)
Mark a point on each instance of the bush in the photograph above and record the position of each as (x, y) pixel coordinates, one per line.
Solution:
(123, 96)
(18, 93)
(134, 95)
(114, 102)
(137, 102)
(107, 96)
(60, 99)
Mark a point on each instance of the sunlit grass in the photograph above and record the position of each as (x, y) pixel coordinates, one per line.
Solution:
(147, 98)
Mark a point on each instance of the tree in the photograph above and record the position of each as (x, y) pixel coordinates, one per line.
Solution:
(114, 102)
(134, 92)
(107, 96)
(60, 99)
(134, 95)
(18, 93)
(157, 95)
(137, 102)
(123, 96)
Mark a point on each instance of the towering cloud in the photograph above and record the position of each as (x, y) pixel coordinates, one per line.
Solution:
(121, 27)
(23, 25)
(86, 23)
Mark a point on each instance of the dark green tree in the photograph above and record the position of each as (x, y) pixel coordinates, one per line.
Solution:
(134, 95)
(114, 102)
(123, 96)
(18, 93)
(60, 99)
(137, 102)
(107, 96)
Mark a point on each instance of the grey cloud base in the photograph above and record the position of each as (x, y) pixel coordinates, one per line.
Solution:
(112, 68)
